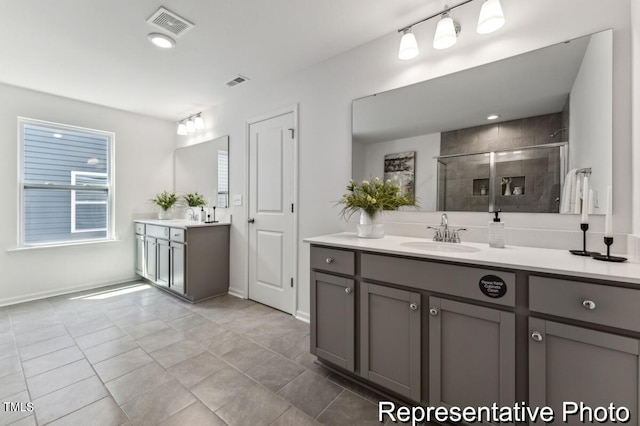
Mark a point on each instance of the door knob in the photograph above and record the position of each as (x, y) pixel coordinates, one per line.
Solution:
(251, 220)
(348, 290)
(589, 304)
(433, 311)
(329, 260)
(413, 306)
(536, 336)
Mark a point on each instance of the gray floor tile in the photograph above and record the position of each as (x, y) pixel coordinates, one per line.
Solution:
(221, 387)
(45, 347)
(205, 331)
(275, 372)
(21, 412)
(310, 393)
(138, 331)
(67, 400)
(133, 317)
(193, 370)
(8, 350)
(89, 326)
(168, 309)
(27, 421)
(122, 364)
(10, 365)
(195, 414)
(104, 412)
(226, 342)
(159, 340)
(292, 345)
(40, 334)
(177, 352)
(59, 378)
(52, 360)
(188, 322)
(98, 337)
(294, 417)
(110, 349)
(246, 355)
(255, 406)
(350, 409)
(12, 384)
(351, 385)
(140, 381)
(159, 404)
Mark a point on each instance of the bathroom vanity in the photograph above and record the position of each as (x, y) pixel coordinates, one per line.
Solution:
(476, 325)
(189, 259)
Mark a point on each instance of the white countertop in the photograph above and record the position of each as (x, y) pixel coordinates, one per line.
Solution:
(523, 258)
(179, 223)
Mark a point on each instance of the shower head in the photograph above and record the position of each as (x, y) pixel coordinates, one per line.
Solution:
(554, 134)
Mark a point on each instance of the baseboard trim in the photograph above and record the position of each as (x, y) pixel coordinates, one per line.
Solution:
(303, 316)
(68, 290)
(235, 293)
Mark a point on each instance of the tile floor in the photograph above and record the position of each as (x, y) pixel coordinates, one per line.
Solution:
(134, 355)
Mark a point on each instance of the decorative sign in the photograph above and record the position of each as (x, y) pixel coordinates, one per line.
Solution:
(492, 286)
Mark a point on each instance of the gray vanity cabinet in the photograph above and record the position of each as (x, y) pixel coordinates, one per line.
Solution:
(577, 364)
(471, 355)
(151, 257)
(390, 338)
(164, 260)
(333, 319)
(177, 267)
(140, 254)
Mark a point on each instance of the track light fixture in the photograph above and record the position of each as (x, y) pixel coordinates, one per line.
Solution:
(491, 19)
(190, 124)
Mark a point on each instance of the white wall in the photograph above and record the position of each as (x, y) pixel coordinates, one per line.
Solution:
(425, 146)
(143, 161)
(634, 241)
(590, 102)
(325, 91)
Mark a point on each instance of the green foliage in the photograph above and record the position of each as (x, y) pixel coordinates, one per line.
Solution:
(193, 199)
(165, 199)
(372, 197)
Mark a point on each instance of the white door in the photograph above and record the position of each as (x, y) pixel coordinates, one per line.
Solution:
(271, 216)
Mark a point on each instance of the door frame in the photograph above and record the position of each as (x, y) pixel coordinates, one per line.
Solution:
(253, 120)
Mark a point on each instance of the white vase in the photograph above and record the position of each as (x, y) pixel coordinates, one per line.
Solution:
(507, 189)
(367, 228)
(165, 214)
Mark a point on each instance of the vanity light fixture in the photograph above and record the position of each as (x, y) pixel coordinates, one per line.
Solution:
(161, 40)
(491, 18)
(190, 124)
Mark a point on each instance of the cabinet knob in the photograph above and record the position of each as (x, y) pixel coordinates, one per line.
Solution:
(329, 260)
(589, 304)
(348, 290)
(413, 306)
(536, 336)
(433, 312)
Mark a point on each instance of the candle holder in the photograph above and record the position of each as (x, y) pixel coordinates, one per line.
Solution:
(584, 252)
(608, 258)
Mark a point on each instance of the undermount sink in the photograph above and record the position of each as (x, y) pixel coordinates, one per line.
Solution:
(439, 246)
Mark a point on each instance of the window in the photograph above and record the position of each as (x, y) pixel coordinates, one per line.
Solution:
(66, 183)
(223, 179)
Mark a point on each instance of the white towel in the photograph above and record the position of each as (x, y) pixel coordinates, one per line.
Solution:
(568, 202)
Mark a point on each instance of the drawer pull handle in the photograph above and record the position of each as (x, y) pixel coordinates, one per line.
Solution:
(589, 304)
(536, 336)
(348, 290)
(413, 306)
(329, 260)
(433, 312)
(176, 235)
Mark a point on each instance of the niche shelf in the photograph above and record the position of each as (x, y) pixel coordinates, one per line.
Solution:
(477, 187)
(516, 181)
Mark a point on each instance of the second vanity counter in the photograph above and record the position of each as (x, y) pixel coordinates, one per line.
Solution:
(551, 261)
(180, 223)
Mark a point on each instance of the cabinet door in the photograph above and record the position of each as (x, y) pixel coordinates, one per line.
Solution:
(151, 257)
(177, 268)
(471, 355)
(140, 252)
(390, 338)
(568, 363)
(333, 319)
(164, 260)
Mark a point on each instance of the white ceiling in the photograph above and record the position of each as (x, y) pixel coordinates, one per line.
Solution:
(97, 51)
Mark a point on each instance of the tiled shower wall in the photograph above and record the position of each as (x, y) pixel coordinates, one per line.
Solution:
(538, 172)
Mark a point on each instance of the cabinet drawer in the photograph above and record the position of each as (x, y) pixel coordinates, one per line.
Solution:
(140, 228)
(158, 231)
(600, 304)
(486, 285)
(177, 234)
(333, 260)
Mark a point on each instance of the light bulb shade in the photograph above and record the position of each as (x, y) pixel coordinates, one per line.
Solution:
(491, 17)
(161, 40)
(445, 33)
(408, 46)
(191, 126)
(182, 129)
(199, 123)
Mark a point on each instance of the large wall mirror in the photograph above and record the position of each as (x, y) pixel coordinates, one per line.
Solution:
(204, 168)
(519, 134)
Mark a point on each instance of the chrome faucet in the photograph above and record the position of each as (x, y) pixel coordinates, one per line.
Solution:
(192, 215)
(444, 233)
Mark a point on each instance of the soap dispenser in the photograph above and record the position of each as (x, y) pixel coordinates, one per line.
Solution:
(496, 231)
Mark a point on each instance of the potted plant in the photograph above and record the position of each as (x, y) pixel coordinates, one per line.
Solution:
(165, 200)
(369, 199)
(193, 199)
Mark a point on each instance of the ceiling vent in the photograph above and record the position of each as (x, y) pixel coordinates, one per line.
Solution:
(238, 80)
(169, 21)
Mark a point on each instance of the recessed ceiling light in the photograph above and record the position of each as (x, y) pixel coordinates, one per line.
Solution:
(161, 40)
(57, 135)
(493, 117)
